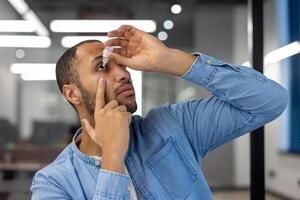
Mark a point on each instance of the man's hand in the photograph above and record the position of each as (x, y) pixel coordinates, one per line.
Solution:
(111, 131)
(144, 52)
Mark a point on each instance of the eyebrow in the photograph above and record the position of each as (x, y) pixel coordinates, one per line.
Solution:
(96, 59)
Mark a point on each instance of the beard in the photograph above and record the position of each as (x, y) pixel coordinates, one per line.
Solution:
(90, 98)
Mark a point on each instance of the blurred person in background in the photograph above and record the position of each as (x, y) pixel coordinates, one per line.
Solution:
(119, 156)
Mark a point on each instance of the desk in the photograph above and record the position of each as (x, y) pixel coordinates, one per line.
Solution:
(21, 166)
(27, 158)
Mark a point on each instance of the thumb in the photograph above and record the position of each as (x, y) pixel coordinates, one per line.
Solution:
(89, 129)
(121, 60)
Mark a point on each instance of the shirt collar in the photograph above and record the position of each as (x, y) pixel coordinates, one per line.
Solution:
(88, 159)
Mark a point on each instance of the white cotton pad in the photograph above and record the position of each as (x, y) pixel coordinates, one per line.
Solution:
(106, 52)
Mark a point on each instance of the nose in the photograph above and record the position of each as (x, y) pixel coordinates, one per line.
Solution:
(119, 72)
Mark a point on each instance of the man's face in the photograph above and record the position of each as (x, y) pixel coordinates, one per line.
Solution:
(89, 66)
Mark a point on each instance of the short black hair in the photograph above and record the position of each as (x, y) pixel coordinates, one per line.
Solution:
(65, 71)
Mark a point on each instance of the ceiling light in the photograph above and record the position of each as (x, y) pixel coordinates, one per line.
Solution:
(32, 68)
(25, 41)
(282, 53)
(20, 6)
(38, 77)
(176, 9)
(20, 53)
(24, 10)
(168, 24)
(98, 26)
(16, 26)
(69, 41)
(279, 54)
(39, 26)
(34, 71)
(162, 35)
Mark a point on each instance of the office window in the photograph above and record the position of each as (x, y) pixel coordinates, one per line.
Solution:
(294, 77)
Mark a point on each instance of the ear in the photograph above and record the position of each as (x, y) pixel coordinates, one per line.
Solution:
(72, 94)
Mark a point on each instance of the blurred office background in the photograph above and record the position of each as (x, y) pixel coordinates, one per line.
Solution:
(36, 123)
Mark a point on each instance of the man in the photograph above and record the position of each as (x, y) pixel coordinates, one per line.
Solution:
(163, 151)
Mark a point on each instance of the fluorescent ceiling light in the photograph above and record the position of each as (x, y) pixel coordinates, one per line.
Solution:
(17, 26)
(282, 53)
(279, 54)
(98, 26)
(69, 41)
(39, 26)
(24, 10)
(38, 77)
(34, 71)
(20, 6)
(25, 41)
(33, 68)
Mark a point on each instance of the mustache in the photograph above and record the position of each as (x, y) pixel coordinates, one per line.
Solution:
(129, 81)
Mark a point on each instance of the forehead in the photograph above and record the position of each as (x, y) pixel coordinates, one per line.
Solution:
(85, 54)
(89, 50)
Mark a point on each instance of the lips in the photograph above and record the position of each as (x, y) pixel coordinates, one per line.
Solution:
(126, 89)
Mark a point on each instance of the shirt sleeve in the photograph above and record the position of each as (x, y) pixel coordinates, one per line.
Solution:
(243, 100)
(42, 189)
(110, 186)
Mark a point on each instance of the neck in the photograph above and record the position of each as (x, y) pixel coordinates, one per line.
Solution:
(86, 144)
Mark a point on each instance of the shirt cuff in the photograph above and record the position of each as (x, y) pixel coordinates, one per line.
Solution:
(203, 69)
(113, 185)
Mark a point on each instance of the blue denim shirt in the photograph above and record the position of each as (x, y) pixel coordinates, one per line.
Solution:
(166, 147)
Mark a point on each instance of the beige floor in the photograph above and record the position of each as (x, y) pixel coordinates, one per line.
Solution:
(238, 195)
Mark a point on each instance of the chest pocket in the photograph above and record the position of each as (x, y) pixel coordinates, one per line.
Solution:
(173, 170)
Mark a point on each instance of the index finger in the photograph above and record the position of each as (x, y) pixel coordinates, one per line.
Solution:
(100, 95)
(120, 32)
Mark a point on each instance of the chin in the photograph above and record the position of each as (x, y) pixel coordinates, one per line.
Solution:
(131, 107)
(130, 103)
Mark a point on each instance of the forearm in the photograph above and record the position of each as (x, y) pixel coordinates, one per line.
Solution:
(113, 163)
(174, 62)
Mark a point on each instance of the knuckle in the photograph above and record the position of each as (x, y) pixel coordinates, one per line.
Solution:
(123, 107)
(114, 102)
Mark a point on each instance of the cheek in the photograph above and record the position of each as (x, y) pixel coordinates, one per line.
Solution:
(110, 91)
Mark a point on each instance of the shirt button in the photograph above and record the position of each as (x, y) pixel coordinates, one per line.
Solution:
(128, 188)
(97, 162)
(208, 62)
